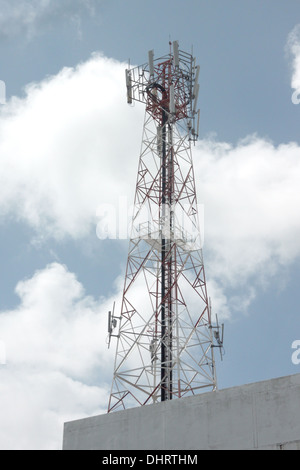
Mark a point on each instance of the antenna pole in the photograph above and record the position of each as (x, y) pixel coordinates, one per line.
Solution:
(164, 369)
(165, 342)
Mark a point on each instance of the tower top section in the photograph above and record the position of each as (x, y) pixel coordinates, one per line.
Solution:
(169, 87)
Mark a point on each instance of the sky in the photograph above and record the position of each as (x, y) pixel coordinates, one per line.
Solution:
(69, 148)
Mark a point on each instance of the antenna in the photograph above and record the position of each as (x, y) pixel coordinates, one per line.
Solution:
(196, 88)
(172, 100)
(151, 63)
(195, 131)
(196, 77)
(129, 86)
(112, 323)
(219, 338)
(176, 53)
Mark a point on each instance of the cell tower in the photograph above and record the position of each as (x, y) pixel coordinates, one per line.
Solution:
(165, 336)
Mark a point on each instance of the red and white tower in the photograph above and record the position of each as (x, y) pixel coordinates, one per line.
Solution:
(165, 336)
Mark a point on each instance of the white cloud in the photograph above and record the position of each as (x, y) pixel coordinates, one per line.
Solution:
(76, 148)
(26, 16)
(252, 202)
(58, 366)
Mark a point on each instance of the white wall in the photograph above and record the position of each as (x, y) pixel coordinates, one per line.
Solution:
(263, 415)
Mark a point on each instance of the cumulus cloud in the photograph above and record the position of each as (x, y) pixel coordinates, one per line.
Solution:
(76, 148)
(26, 16)
(251, 197)
(70, 146)
(58, 366)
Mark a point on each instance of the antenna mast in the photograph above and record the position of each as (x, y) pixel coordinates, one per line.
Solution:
(165, 341)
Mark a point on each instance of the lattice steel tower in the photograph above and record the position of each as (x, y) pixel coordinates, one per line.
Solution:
(165, 336)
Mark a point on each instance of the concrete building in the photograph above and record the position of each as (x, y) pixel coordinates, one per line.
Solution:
(263, 415)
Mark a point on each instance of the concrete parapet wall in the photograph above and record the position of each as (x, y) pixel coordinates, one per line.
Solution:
(263, 415)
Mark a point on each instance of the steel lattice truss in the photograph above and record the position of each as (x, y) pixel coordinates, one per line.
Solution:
(164, 349)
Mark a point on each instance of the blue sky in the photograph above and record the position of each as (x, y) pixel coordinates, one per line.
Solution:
(69, 144)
